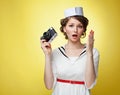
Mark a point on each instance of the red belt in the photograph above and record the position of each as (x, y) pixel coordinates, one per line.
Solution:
(70, 81)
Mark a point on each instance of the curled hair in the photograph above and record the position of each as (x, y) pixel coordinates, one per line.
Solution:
(81, 19)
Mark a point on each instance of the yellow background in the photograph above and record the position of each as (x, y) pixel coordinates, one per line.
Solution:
(22, 22)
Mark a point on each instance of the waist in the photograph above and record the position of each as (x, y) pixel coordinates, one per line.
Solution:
(70, 81)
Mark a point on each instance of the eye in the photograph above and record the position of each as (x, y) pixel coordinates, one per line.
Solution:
(71, 25)
(80, 26)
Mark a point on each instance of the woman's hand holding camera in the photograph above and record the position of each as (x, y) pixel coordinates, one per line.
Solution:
(46, 47)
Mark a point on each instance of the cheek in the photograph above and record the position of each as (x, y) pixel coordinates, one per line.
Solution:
(81, 32)
(67, 31)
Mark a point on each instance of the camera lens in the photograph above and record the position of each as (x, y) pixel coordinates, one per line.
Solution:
(46, 36)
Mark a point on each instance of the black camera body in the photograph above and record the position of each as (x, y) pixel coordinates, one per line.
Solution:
(49, 35)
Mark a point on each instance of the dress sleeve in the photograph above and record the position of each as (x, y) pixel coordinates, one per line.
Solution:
(54, 68)
(96, 57)
(96, 60)
(54, 83)
(54, 74)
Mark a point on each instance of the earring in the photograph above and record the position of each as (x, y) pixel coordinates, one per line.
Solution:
(83, 35)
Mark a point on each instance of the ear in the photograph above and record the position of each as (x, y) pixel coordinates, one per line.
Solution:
(64, 29)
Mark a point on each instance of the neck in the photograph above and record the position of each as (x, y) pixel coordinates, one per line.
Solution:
(71, 45)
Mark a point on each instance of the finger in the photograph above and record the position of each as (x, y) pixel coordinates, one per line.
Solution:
(42, 43)
(46, 44)
(91, 32)
(91, 35)
(43, 40)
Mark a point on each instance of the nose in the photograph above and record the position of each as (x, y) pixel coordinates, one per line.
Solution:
(75, 29)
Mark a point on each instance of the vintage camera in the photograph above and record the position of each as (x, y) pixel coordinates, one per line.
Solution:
(49, 35)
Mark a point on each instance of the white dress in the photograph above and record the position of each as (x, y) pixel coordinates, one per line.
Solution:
(67, 68)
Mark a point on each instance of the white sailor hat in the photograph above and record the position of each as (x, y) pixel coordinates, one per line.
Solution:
(73, 11)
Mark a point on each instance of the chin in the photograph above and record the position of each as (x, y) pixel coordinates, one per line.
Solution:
(75, 40)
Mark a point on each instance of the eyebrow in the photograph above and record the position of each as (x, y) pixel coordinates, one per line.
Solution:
(74, 23)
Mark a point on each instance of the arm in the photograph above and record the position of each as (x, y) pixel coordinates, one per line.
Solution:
(48, 74)
(90, 74)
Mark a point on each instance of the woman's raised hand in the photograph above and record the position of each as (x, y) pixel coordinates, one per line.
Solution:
(90, 42)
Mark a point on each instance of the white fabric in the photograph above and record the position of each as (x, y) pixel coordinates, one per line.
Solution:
(72, 59)
(63, 69)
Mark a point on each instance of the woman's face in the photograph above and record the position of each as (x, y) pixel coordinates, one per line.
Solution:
(74, 30)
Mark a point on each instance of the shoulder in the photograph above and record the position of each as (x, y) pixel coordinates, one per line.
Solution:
(58, 51)
(55, 51)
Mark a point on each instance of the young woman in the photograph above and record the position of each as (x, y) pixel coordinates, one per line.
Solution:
(72, 68)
